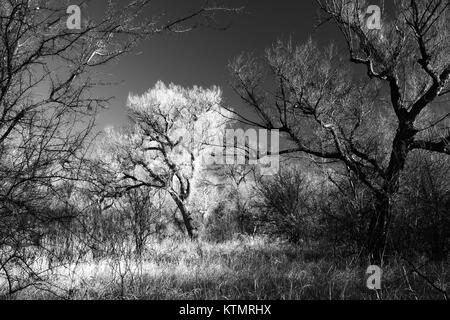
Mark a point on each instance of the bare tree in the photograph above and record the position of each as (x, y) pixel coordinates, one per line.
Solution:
(371, 125)
(46, 110)
(171, 128)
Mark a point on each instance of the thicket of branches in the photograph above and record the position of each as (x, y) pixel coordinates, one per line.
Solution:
(370, 124)
(376, 183)
(47, 114)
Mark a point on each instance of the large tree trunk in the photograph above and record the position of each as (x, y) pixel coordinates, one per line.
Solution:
(379, 224)
(378, 229)
(187, 219)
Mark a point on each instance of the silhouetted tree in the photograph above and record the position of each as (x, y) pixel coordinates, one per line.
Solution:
(371, 125)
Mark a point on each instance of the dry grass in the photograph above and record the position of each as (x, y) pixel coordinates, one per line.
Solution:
(249, 268)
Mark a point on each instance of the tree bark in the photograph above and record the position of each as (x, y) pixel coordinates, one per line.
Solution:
(377, 231)
(187, 219)
(379, 224)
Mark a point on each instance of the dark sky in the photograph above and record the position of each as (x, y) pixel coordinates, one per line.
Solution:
(201, 57)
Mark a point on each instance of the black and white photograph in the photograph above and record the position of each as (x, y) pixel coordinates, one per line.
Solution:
(211, 151)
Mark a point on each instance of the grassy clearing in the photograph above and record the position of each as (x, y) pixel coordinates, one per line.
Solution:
(249, 268)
